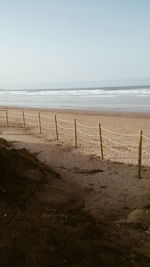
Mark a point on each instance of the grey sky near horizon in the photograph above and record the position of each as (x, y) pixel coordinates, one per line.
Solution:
(66, 43)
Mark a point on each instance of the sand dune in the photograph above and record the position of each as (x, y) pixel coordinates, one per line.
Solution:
(109, 189)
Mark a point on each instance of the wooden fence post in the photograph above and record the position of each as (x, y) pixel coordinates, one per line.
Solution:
(75, 133)
(140, 155)
(7, 123)
(56, 127)
(40, 128)
(24, 122)
(101, 141)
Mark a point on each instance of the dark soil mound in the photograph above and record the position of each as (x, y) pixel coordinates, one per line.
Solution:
(21, 175)
(58, 235)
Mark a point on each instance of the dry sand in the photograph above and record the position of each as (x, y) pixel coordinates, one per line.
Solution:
(109, 189)
(117, 147)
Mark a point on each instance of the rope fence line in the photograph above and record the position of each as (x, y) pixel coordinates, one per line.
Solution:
(45, 126)
(112, 149)
(116, 133)
(58, 129)
(31, 118)
(86, 126)
(90, 141)
(65, 128)
(67, 134)
(117, 143)
(66, 121)
(47, 117)
(146, 137)
(87, 134)
(32, 123)
(45, 123)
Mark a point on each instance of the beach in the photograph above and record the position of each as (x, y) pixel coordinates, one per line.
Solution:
(75, 134)
(111, 186)
(82, 187)
(120, 131)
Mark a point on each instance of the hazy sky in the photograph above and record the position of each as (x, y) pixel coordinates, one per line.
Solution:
(58, 42)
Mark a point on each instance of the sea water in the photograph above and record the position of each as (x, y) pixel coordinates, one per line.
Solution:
(117, 99)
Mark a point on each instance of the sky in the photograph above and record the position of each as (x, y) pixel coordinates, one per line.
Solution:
(74, 43)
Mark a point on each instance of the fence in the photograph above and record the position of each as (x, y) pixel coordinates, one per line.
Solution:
(116, 146)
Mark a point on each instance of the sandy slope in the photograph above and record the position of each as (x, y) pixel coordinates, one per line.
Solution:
(42, 221)
(109, 189)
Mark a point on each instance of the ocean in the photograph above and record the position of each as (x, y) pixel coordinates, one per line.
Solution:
(116, 99)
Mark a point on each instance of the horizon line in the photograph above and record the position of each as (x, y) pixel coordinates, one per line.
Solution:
(81, 88)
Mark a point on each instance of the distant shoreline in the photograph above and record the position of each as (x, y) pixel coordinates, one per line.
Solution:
(80, 88)
(125, 99)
